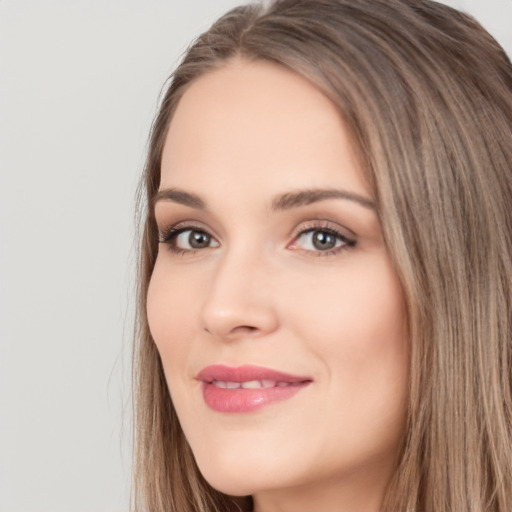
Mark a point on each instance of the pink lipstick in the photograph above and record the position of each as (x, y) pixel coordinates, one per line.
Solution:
(247, 388)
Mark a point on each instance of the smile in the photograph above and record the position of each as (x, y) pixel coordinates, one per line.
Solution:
(251, 384)
(247, 388)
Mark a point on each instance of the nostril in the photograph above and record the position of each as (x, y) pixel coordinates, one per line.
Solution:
(239, 330)
(244, 328)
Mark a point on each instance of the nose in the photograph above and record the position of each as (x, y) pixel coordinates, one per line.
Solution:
(240, 301)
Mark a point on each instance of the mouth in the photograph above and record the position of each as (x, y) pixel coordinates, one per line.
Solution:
(247, 388)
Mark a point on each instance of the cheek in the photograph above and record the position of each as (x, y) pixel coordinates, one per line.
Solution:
(355, 325)
(357, 332)
(169, 305)
(361, 306)
(158, 307)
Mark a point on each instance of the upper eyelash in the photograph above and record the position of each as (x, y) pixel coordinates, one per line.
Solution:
(169, 234)
(328, 229)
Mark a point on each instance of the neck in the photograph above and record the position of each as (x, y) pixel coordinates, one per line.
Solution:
(353, 493)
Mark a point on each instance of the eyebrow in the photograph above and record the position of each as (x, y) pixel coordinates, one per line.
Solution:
(285, 201)
(305, 197)
(179, 196)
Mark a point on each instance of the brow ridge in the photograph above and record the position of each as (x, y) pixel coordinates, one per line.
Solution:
(285, 201)
(304, 197)
(179, 196)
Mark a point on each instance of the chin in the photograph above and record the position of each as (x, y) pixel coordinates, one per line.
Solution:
(233, 483)
(230, 487)
(242, 472)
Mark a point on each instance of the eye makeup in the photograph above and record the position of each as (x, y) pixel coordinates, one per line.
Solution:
(321, 239)
(176, 238)
(318, 238)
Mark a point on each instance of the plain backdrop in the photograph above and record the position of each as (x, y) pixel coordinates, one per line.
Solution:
(79, 82)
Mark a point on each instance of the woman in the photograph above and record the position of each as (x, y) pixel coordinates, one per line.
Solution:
(325, 280)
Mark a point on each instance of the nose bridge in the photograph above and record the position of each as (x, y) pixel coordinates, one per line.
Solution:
(239, 299)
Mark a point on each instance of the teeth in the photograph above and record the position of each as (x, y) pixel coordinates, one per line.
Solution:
(251, 384)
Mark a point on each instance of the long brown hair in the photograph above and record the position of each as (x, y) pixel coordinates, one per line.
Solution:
(426, 94)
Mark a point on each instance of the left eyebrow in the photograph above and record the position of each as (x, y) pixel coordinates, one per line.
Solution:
(304, 197)
(179, 196)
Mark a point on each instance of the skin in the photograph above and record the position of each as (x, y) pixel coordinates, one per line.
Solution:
(261, 293)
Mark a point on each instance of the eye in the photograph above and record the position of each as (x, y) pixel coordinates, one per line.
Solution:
(187, 239)
(323, 241)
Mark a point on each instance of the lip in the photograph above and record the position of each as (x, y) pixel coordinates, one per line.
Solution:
(264, 386)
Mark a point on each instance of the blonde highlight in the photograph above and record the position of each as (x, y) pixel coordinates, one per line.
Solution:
(426, 93)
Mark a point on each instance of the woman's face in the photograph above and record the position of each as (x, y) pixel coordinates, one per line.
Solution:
(273, 302)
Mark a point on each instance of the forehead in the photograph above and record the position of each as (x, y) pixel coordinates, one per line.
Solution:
(254, 122)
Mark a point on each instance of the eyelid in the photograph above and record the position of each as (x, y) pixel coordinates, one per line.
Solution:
(327, 225)
(349, 240)
(182, 225)
(168, 235)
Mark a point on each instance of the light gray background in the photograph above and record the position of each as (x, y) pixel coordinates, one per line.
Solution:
(79, 82)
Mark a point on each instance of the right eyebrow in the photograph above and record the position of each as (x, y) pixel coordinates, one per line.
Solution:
(304, 197)
(179, 196)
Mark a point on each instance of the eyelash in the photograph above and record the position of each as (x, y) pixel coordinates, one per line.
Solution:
(170, 235)
(324, 227)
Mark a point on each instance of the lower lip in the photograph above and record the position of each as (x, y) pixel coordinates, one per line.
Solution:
(247, 400)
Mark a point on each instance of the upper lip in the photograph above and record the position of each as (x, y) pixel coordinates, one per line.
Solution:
(246, 373)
